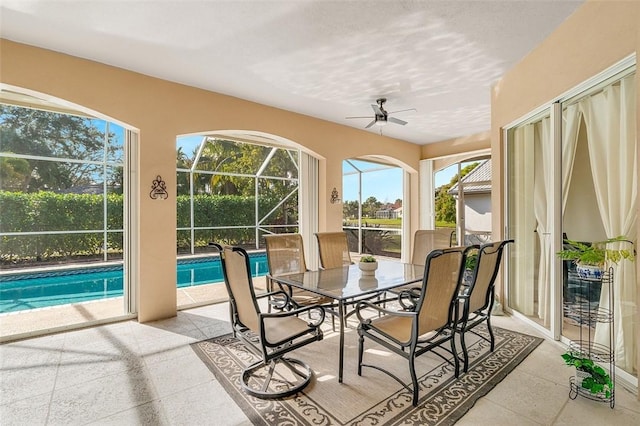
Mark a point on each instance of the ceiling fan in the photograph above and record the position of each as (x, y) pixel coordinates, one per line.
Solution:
(381, 116)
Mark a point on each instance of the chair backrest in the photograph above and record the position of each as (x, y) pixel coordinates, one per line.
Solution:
(440, 284)
(484, 276)
(334, 249)
(427, 240)
(285, 254)
(237, 278)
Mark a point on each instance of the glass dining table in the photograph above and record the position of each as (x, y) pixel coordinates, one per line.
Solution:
(347, 285)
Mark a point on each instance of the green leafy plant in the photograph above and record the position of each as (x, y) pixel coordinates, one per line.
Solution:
(598, 381)
(367, 259)
(596, 253)
(471, 261)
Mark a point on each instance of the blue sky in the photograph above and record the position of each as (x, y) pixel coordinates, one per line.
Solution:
(386, 185)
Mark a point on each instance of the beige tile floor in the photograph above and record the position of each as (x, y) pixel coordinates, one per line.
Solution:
(128, 373)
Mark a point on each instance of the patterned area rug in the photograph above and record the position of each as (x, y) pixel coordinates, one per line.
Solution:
(373, 398)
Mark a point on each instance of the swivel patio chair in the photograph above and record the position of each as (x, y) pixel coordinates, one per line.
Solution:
(430, 325)
(270, 336)
(477, 298)
(334, 249)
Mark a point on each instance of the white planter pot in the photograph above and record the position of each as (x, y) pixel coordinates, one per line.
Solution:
(368, 268)
(589, 272)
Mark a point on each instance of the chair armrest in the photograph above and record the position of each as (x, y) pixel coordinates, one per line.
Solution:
(298, 311)
(407, 298)
(368, 305)
(282, 304)
(272, 293)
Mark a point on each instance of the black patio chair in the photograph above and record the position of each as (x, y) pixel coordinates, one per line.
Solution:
(430, 323)
(477, 298)
(269, 336)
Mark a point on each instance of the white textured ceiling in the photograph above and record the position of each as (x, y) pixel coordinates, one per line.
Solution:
(327, 59)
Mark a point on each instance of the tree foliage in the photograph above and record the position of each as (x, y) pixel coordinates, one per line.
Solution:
(50, 135)
(445, 203)
(232, 168)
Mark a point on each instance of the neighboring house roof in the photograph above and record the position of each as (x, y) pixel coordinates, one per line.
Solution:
(476, 181)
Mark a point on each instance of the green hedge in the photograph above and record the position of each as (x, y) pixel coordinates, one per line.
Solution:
(48, 211)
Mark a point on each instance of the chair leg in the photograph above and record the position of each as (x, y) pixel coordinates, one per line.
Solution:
(464, 351)
(233, 329)
(360, 352)
(414, 378)
(256, 379)
(493, 339)
(456, 361)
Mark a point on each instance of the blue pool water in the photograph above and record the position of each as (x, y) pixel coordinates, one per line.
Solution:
(50, 288)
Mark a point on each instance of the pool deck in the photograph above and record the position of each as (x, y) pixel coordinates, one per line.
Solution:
(24, 324)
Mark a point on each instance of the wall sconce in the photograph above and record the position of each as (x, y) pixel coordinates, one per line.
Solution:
(335, 197)
(158, 189)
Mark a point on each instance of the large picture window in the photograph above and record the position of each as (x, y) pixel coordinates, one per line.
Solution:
(61, 187)
(234, 192)
(62, 210)
(372, 207)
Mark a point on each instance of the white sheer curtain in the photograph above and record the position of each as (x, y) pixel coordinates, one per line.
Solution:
(308, 206)
(542, 190)
(571, 117)
(610, 122)
(522, 286)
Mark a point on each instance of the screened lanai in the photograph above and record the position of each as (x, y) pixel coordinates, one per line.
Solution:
(372, 206)
(234, 191)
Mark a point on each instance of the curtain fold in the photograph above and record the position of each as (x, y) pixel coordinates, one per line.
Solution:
(610, 123)
(522, 288)
(542, 190)
(571, 118)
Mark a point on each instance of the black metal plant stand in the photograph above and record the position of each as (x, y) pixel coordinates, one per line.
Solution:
(588, 314)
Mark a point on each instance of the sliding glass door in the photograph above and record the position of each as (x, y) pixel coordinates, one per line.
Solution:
(585, 190)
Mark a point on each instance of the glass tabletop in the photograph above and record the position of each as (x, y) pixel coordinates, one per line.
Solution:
(349, 281)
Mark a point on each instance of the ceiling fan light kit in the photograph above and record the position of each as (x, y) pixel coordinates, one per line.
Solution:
(381, 117)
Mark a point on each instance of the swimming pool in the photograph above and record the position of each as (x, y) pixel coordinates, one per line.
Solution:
(24, 291)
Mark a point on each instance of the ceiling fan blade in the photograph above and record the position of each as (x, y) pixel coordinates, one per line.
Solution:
(378, 110)
(396, 121)
(404, 110)
(371, 124)
(368, 116)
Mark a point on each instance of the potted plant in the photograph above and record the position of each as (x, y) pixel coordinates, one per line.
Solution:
(590, 259)
(469, 267)
(368, 265)
(594, 378)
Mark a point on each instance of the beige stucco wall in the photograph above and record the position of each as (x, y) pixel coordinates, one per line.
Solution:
(596, 36)
(161, 110)
(462, 146)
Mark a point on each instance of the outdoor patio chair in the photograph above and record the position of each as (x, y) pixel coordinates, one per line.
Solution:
(429, 326)
(270, 336)
(426, 240)
(477, 298)
(334, 249)
(285, 255)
